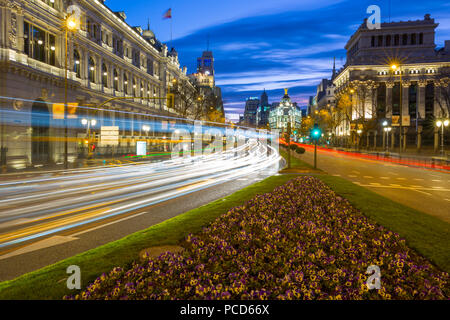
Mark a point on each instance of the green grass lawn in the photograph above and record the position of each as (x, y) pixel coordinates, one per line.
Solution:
(50, 282)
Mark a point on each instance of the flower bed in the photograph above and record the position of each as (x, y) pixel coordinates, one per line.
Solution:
(301, 241)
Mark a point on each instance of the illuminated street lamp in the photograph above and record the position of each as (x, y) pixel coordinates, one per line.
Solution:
(71, 24)
(397, 67)
(146, 129)
(442, 124)
(387, 130)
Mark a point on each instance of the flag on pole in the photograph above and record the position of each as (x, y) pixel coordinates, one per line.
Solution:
(168, 14)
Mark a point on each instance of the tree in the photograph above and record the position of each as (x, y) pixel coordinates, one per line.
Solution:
(188, 102)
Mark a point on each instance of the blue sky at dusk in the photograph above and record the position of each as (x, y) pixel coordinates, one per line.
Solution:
(270, 44)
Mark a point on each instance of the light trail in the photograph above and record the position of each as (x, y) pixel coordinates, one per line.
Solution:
(82, 197)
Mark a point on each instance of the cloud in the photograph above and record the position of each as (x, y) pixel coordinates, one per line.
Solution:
(293, 49)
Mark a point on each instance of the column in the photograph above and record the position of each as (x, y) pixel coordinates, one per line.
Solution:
(405, 111)
(421, 110)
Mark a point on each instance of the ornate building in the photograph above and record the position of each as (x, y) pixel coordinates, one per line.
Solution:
(286, 112)
(394, 75)
(106, 58)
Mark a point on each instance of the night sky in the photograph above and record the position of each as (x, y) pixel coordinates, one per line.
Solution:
(271, 44)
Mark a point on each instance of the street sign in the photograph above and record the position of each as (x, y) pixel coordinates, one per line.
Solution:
(396, 121)
(406, 121)
(109, 136)
(141, 148)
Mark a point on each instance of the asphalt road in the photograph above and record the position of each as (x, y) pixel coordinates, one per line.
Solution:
(426, 190)
(50, 217)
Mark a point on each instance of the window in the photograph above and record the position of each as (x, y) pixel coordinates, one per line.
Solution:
(149, 66)
(396, 40)
(429, 99)
(104, 76)
(116, 80)
(413, 100)
(39, 44)
(405, 40)
(91, 70)
(373, 41)
(76, 63)
(413, 39)
(380, 41)
(136, 58)
(396, 99)
(388, 40)
(420, 38)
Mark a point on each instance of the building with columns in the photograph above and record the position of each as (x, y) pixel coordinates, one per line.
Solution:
(396, 75)
(106, 59)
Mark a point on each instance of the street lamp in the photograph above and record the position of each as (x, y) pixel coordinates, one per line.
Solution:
(71, 24)
(387, 130)
(88, 123)
(442, 124)
(397, 67)
(146, 129)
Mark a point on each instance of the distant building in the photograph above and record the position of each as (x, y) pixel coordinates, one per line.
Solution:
(286, 112)
(401, 56)
(262, 116)
(204, 79)
(251, 109)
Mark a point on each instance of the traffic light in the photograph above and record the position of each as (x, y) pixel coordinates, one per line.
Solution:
(316, 133)
(170, 100)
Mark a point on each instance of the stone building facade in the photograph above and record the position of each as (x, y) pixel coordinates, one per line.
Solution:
(106, 59)
(396, 75)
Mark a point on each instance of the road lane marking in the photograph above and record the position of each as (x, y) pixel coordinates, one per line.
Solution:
(403, 179)
(107, 224)
(419, 179)
(35, 246)
(436, 180)
(368, 177)
(385, 178)
(49, 225)
(353, 176)
(395, 185)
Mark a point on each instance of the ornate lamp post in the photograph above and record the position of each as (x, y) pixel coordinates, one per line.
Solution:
(71, 24)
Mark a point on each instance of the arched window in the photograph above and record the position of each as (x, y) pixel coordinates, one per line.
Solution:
(116, 80)
(91, 70)
(104, 76)
(76, 63)
(125, 83)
